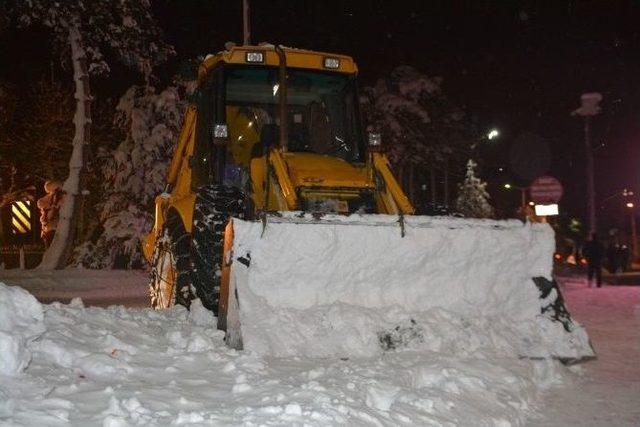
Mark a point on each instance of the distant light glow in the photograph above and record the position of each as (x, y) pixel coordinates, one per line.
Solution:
(507, 186)
(493, 134)
(547, 210)
(275, 88)
(630, 205)
(532, 204)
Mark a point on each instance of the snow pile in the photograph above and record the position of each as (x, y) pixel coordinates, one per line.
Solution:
(127, 367)
(555, 329)
(20, 322)
(325, 289)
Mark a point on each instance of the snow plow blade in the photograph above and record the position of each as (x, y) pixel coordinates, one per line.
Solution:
(359, 285)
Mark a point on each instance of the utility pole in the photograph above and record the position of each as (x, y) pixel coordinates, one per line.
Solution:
(246, 25)
(587, 110)
(591, 192)
(634, 235)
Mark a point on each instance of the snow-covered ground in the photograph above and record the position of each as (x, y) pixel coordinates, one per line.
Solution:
(128, 366)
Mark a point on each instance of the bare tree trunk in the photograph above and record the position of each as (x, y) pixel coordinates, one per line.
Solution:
(57, 254)
(446, 182)
(411, 183)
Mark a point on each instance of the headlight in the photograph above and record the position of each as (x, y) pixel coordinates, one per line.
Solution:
(375, 141)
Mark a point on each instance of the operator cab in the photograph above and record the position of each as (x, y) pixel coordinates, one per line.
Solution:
(240, 109)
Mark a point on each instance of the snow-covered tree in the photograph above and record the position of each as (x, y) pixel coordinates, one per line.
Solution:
(81, 29)
(421, 128)
(7, 108)
(133, 174)
(473, 199)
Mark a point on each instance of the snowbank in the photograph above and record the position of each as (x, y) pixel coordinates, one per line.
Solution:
(354, 286)
(127, 367)
(21, 319)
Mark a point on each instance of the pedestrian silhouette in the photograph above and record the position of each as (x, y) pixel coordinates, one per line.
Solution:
(594, 252)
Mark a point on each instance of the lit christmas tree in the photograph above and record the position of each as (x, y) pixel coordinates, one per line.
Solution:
(473, 199)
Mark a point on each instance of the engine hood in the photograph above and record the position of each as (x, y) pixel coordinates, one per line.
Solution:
(316, 170)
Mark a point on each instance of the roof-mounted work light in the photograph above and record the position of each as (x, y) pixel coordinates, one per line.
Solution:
(331, 63)
(254, 56)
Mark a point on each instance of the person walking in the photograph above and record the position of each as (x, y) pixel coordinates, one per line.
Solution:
(594, 252)
(49, 206)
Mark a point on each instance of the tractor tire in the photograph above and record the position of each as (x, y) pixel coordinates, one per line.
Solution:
(215, 204)
(171, 269)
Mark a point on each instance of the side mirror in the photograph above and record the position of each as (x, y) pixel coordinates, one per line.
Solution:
(375, 141)
(220, 134)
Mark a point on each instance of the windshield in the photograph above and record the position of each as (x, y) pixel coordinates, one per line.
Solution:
(321, 112)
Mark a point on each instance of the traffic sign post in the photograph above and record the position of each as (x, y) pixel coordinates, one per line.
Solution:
(546, 190)
(21, 220)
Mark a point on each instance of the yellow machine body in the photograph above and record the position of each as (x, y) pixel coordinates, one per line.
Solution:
(254, 226)
(294, 175)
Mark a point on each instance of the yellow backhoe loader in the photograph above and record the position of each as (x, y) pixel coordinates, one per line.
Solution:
(285, 219)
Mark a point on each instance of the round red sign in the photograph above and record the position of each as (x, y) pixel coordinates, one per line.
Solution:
(546, 189)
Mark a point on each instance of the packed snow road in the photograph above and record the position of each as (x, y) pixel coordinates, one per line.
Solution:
(71, 365)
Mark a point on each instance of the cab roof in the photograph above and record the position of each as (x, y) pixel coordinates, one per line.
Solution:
(296, 58)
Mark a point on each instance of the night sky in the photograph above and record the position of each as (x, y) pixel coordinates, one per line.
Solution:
(518, 65)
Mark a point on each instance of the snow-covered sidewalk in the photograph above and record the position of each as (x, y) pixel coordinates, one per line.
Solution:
(100, 288)
(606, 391)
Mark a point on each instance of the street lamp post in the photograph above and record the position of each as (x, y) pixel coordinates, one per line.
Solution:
(523, 194)
(588, 109)
(634, 233)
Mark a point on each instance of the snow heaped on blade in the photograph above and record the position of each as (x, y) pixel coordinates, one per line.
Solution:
(125, 367)
(354, 286)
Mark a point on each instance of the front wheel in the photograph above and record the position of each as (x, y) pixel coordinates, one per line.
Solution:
(215, 204)
(170, 280)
